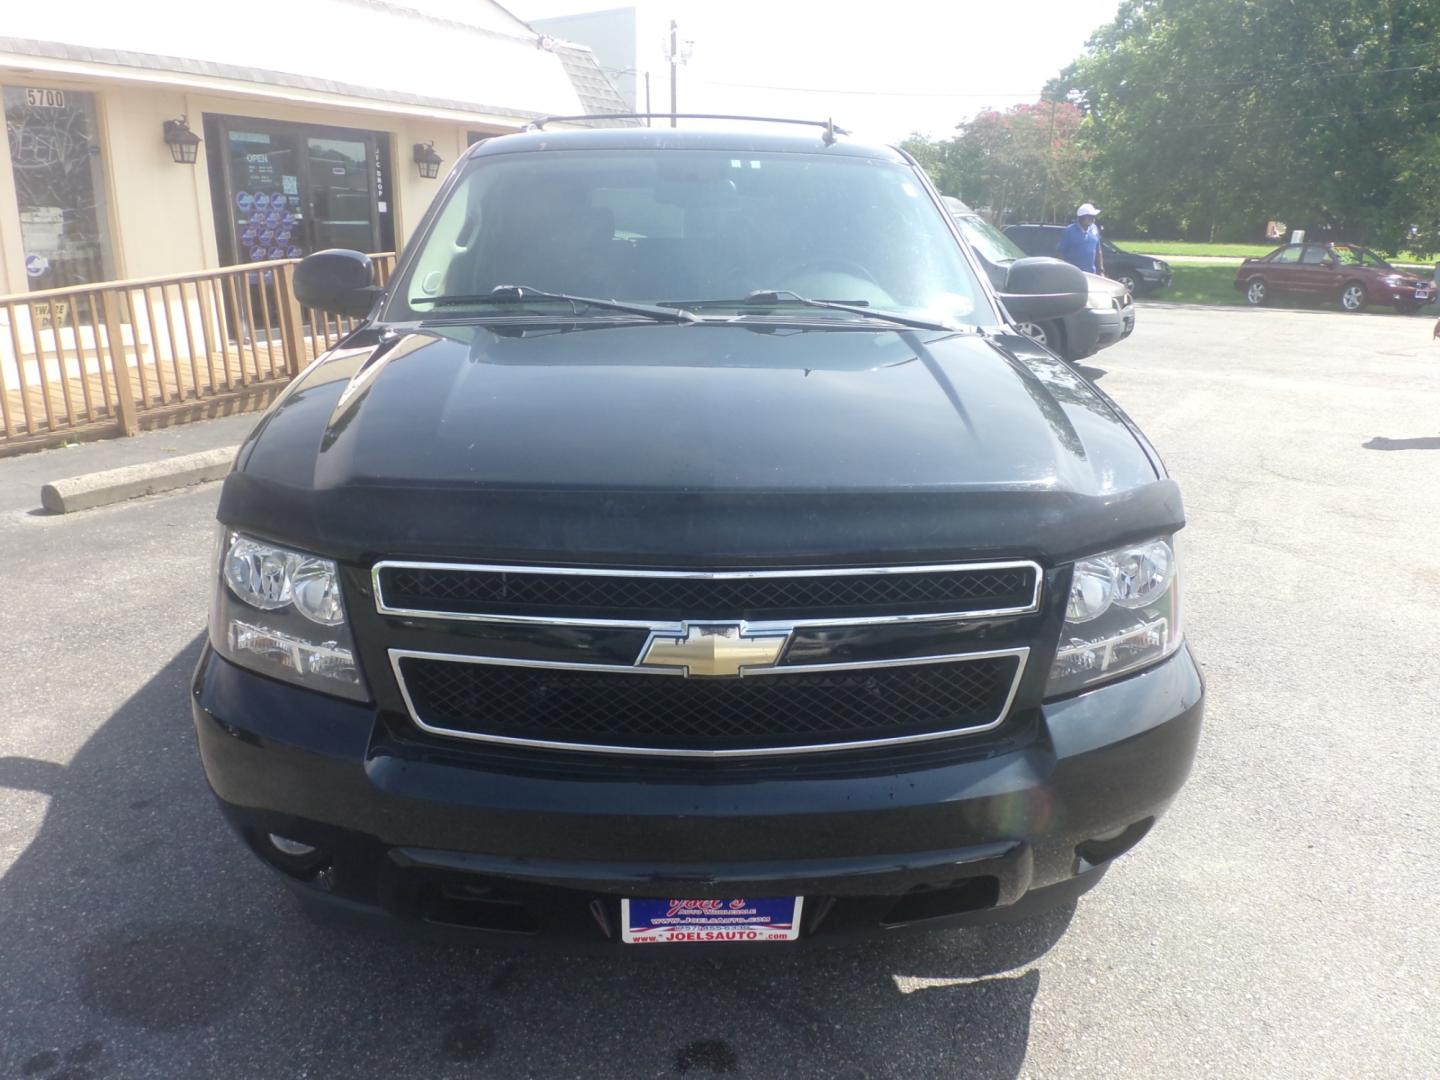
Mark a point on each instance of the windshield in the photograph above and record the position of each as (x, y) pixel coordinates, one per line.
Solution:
(993, 245)
(672, 226)
(1353, 256)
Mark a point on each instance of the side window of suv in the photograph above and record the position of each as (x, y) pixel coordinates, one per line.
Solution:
(1034, 239)
(452, 236)
(1314, 255)
(1288, 255)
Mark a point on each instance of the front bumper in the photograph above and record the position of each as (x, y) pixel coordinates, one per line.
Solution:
(477, 840)
(1408, 295)
(1154, 279)
(1089, 330)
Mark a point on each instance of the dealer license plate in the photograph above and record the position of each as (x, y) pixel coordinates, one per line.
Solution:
(1422, 294)
(644, 922)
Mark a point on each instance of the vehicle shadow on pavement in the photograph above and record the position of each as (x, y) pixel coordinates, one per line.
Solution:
(1380, 442)
(141, 938)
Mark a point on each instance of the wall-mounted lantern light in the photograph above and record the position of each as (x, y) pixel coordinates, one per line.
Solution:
(182, 141)
(428, 160)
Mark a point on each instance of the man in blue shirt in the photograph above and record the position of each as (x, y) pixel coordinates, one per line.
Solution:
(1080, 242)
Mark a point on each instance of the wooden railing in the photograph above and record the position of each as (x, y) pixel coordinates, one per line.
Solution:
(122, 356)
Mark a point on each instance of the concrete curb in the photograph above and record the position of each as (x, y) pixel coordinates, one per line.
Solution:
(132, 481)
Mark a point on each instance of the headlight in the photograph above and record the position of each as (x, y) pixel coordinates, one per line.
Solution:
(315, 591)
(1394, 279)
(258, 574)
(1100, 301)
(280, 612)
(1123, 614)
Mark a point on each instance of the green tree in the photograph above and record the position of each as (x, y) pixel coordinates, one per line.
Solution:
(1023, 163)
(1208, 117)
(936, 157)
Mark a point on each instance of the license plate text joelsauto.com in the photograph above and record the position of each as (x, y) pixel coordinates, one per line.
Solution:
(672, 921)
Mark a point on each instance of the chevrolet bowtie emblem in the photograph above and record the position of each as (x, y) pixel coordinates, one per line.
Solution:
(713, 649)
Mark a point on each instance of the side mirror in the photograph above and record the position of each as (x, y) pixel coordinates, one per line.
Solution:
(1039, 289)
(337, 280)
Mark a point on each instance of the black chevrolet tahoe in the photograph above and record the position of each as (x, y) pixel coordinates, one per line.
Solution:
(685, 547)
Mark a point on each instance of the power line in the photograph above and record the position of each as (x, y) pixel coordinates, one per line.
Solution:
(1371, 54)
(1315, 116)
(1270, 80)
(867, 93)
(1277, 80)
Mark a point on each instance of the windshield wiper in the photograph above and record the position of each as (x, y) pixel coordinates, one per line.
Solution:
(510, 294)
(782, 297)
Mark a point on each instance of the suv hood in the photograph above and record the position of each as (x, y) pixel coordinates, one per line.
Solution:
(689, 445)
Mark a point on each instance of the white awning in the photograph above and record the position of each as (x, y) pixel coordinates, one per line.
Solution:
(472, 56)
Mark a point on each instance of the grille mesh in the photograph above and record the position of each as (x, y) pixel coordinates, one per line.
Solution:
(674, 713)
(482, 592)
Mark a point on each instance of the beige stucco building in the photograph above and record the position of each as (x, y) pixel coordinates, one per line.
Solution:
(309, 115)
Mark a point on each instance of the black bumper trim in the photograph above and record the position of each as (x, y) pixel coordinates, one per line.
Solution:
(864, 876)
(320, 770)
(373, 920)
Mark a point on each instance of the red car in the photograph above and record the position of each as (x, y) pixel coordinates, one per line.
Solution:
(1351, 274)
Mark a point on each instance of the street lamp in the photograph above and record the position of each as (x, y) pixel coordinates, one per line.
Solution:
(427, 160)
(183, 142)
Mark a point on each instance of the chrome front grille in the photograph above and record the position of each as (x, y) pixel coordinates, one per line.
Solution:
(824, 707)
(644, 597)
(733, 663)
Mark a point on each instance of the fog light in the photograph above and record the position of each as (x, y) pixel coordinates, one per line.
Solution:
(1111, 845)
(293, 848)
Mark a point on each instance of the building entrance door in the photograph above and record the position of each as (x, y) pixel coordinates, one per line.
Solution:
(290, 189)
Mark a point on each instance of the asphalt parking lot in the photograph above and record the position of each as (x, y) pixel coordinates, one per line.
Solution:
(1280, 921)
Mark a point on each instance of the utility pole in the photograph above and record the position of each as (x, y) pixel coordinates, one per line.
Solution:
(1049, 163)
(647, 99)
(674, 61)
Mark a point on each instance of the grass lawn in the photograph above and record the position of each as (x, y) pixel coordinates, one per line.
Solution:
(1183, 247)
(1201, 285)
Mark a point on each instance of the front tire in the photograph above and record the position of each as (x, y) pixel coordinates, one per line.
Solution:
(1353, 297)
(1130, 281)
(1256, 292)
(1047, 334)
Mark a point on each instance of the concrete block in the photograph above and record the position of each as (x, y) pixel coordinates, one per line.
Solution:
(133, 481)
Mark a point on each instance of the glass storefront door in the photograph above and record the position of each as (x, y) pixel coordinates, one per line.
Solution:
(285, 190)
(342, 208)
(55, 155)
(266, 214)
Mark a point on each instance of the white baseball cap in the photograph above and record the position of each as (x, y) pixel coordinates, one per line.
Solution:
(1088, 210)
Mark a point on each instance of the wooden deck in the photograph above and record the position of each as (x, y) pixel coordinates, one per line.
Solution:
(118, 357)
(85, 398)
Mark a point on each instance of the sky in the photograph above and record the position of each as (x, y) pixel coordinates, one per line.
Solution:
(882, 69)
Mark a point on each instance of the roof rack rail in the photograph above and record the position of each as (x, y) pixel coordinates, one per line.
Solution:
(829, 125)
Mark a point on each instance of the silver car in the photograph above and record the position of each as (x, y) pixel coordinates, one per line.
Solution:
(1107, 317)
